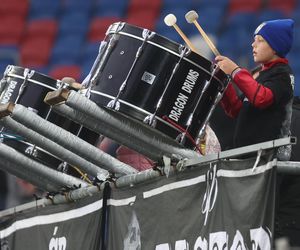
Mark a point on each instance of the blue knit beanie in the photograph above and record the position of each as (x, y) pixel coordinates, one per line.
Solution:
(278, 34)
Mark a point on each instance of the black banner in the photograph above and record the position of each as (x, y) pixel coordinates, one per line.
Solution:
(58, 227)
(229, 205)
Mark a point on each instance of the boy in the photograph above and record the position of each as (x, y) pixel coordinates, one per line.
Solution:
(264, 110)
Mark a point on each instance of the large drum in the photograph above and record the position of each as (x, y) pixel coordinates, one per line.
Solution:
(29, 88)
(155, 80)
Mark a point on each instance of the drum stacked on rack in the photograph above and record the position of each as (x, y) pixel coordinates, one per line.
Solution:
(138, 75)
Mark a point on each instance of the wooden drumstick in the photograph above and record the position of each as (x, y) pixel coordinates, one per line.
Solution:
(171, 20)
(192, 17)
(71, 82)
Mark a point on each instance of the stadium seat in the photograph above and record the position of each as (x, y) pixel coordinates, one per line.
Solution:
(219, 4)
(67, 49)
(143, 18)
(74, 22)
(46, 28)
(8, 56)
(88, 58)
(18, 8)
(269, 14)
(244, 5)
(168, 4)
(209, 24)
(153, 6)
(61, 71)
(242, 20)
(111, 8)
(44, 9)
(98, 27)
(11, 29)
(286, 6)
(84, 6)
(35, 52)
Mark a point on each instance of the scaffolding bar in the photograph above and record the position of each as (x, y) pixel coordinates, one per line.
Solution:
(55, 149)
(232, 153)
(70, 141)
(36, 173)
(123, 129)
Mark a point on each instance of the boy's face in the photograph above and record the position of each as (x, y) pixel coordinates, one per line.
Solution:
(262, 51)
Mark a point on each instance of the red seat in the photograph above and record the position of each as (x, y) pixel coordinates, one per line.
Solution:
(11, 29)
(14, 8)
(144, 13)
(153, 5)
(46, 28)
(35, 52)
(99, 26)
(61, 71)
(286, 6)
(244, 6)
(144, 19)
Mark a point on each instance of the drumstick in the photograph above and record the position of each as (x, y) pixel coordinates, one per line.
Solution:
(71, 82)
(192, 17)
(171, 20)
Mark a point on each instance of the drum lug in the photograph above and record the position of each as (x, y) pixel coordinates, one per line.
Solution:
(63, 167)
(181, 138)
(31, 150)
(147, 34)
(115, 28)
(150, 120)
(114, 104)
(8, 69)
(28, 73)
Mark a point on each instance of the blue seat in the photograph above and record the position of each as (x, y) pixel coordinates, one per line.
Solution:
(269, 14)
(78, 5)
(74, 22)
(67, 49)
(210, 18)
(114, 8)
(242, 20)
(90, 52)
(180, 16)
(177, 4)
(44, 9)
(220, 4)
(297, 85)
(8, 55)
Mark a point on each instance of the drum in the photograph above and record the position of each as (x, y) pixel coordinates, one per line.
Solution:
(29, 88)
(155, 80)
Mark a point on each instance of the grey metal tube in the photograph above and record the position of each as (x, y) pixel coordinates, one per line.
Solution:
(22, 166)
(39, 182)
(288, 167)
(69, 141)
(137, 178)
(55, 149)
(136, 135)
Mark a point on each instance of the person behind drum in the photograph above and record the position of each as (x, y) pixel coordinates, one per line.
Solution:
(264, 109)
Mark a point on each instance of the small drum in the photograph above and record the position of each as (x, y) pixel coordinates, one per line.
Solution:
(155, 80)
(29, 88)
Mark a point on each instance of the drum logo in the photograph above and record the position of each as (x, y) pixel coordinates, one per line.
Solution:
(148, 77)
(184, 94)
(5, 97)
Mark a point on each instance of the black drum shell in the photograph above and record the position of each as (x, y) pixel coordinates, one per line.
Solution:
(159, 75)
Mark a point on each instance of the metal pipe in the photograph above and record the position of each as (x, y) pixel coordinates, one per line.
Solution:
(140, 177)
(55, 149)
(130, 132)
(38, 174)
(69, 141)
(288, 167)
